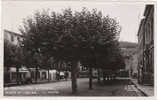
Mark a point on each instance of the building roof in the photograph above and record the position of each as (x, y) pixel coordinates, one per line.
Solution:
(10, 32)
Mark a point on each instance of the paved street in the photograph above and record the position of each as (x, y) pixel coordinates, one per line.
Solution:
(120, 87)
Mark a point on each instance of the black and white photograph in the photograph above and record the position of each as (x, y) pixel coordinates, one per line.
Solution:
(77, 48)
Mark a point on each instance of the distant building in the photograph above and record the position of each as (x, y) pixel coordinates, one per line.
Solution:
(146, 47)
(12, 37)
(25, 72)
(15, 39)
(84, 71)
(129, 52)
(134, 65)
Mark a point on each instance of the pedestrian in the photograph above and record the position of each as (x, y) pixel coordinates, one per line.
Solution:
(66, 75)
(57, 75)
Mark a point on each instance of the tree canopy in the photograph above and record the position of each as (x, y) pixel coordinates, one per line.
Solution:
(13, 55)
(73, 36)
(70, 35)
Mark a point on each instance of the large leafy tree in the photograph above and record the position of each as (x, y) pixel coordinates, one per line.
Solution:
(70, 36)
(109, 59)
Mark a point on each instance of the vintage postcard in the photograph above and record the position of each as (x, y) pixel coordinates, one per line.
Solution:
(78, 48)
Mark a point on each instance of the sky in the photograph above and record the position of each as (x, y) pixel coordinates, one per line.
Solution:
(127, 14)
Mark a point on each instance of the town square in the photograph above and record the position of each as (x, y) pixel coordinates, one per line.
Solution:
(78, 49)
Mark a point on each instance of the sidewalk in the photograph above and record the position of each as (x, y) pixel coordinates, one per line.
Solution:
(147, 90)
(63, 88)
(38, 82)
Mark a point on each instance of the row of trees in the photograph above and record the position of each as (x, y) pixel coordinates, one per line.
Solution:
(87, 37)
(16, 56)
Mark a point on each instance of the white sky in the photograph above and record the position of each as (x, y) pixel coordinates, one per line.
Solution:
(128, 14)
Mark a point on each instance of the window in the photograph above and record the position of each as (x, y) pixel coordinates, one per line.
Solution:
(152, 28)
(18, 38)
(12, 38)
(147, 33)
(150, 32)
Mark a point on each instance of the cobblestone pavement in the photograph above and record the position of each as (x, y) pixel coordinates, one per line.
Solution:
(129, 90)
(119, 87)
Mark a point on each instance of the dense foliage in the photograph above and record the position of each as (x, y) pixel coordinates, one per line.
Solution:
(13, 55)
(85, 36)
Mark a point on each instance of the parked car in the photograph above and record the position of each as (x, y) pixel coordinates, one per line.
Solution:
(62, 75)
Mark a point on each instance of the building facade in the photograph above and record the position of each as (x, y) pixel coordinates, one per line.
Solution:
(25, 72)
(129, 52)
(146, 47)
(13, 37)
(10, 72)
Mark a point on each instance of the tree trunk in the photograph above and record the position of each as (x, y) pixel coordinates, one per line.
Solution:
(98, 75)
(36, 74)
(59, 77)
(59, 70)
(17, 75)
(90, 78)
(74, 71)
(48, 75)
(104, 76)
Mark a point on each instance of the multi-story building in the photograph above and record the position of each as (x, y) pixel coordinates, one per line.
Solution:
(129, 52)
(13, 37)
(140, 51)
(146, 47)
(10, 71)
